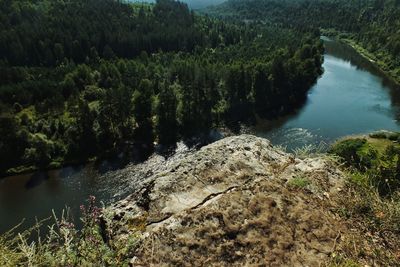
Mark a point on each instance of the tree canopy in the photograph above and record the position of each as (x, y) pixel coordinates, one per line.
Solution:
(81, 79)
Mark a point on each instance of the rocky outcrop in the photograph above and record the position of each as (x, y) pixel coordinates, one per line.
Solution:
(236, 202)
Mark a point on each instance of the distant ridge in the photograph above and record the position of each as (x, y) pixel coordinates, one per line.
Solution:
(194, 4)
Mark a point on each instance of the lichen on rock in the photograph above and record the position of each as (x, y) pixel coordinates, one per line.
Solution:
(231, 204)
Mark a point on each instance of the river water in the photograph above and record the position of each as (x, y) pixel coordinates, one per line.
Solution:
(351, 97)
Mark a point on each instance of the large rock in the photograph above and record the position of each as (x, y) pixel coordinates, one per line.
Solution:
(238, 201)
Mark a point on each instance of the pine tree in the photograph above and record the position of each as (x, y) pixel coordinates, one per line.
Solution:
(167, 128)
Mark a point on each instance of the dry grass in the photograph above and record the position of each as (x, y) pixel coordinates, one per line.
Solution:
(374, 222)
(64, 245)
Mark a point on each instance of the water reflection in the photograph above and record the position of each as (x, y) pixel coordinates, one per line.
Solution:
(347, 53)
(34, 196)
(351, 97)
(36, 179)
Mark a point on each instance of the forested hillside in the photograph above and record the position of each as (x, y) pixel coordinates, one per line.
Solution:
(82, 79)
(193, 4)
(370, 24)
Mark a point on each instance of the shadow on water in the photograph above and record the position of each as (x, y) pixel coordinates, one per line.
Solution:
(353, 96)
(203, 139)
(36, 179)
(347, 53)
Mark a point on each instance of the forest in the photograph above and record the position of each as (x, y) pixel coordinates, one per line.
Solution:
(82, 80)
(372, 26)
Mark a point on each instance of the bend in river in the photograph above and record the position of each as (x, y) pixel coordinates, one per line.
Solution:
(351, 97)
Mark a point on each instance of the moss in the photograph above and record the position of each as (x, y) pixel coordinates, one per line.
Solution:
(21, 169)
(380, 145)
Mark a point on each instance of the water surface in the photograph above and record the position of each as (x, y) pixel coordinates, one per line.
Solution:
(351, 97)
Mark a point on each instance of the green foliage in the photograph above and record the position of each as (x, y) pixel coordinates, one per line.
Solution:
(142, 110)
(141, 73)
(376, 166)
(356, 152)
(371, 26)
(386, 135)
(299, 182)
(166, 114)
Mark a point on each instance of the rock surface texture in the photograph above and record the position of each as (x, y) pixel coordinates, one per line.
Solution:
(236, 202)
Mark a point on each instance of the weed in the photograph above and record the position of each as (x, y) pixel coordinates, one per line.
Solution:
(65, 245)
(299, 182)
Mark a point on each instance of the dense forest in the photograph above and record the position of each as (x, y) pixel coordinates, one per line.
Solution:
(193, 4)
(372, 26)
(83, 79)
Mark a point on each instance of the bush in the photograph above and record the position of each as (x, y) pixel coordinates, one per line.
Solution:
(17, 107)
(392, 136)
(378, 135)
(356, 153)
(379, 170)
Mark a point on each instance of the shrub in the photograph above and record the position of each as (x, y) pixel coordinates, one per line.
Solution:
(393, 136)
(378, 135)
(357, 153)
(93, 93)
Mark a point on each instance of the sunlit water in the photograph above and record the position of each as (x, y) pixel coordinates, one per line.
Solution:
(351, 97)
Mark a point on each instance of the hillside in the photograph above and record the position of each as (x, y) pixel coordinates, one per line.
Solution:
(239, 201)
(194, 4)
(368, 25)
(90, 77)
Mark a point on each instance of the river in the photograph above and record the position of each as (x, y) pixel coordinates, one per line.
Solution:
(351, 97)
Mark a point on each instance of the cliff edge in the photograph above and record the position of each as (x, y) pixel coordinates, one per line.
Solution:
(237, 202)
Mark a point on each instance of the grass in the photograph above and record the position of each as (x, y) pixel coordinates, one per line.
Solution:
(65, 245)
(379, 144)
(370, 202)
(309, 151)
(340, 261)
(377, 220)
(299, 182)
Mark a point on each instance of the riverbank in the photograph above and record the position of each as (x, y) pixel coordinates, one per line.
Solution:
(129, 154)
(382, 64)
(20, 170)
(382, 61)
